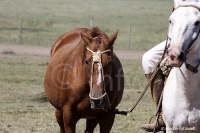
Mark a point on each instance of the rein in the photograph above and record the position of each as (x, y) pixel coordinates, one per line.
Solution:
(97, 59)
(149, 83)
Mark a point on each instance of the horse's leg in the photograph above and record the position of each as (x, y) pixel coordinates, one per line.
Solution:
(59, 117)
(90, 125)
(70, 119)
(106, 121)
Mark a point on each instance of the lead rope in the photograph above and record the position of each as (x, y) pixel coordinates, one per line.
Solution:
(145, 89)
(98, 59)
(152, 77)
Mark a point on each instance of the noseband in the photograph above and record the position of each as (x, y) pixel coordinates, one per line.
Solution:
(193, 69)
(97, 59)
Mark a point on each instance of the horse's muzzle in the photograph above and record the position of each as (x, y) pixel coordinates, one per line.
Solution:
(175, 59)
(100, 103)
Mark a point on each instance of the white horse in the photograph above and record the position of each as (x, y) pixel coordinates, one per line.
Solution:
(181, 97)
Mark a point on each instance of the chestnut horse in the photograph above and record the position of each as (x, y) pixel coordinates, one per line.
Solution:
(84, 79)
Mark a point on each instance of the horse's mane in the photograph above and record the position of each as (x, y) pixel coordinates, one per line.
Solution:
(92, 33)
(100, 35)
(96, 32)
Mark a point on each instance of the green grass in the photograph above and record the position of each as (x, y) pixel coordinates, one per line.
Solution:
(22, 79)
(44, 21)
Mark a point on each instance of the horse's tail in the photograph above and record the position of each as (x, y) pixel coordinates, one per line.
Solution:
(41, 97)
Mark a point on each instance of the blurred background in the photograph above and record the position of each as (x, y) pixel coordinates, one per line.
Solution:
(141, 23)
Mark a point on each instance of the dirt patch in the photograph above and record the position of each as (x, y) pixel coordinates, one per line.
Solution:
(38, 50)
(23, 49)
(129, 55)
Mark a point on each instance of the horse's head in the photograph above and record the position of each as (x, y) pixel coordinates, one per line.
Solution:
(99, 59)
(183, 31)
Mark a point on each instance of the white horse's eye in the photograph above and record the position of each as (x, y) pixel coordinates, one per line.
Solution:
(196, 23)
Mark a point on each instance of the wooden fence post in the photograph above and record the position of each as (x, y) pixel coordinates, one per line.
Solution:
(129, 41)
(91, 22)
(74, 24)
(20, 36)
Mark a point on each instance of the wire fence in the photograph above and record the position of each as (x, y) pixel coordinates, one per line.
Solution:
(44, 34)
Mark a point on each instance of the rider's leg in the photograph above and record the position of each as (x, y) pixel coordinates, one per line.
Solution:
(156, 91)
(149, 61)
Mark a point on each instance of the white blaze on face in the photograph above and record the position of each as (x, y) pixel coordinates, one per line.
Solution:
(99, 80)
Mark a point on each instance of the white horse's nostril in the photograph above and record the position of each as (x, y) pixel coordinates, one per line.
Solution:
(181, 56)
(172, 57)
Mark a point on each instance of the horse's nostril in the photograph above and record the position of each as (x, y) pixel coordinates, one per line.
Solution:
(172, 57)
(181, 56)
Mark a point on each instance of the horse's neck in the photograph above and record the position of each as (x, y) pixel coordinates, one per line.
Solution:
(185, 83)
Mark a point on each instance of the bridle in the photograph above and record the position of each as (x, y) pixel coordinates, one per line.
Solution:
(97, 59)
(193, 69)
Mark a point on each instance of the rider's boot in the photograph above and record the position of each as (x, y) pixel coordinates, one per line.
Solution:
(156, 87)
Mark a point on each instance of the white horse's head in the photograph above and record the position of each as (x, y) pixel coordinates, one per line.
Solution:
(183, 31)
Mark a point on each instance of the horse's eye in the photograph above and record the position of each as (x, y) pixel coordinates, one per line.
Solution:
(196, 23)
(111, 62)
(87, 62)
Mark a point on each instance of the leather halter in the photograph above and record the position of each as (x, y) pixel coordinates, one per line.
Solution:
(188, 5)
(193, 69)
(97, 59)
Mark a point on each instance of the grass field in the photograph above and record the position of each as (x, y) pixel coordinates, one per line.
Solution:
(21, 76)
(22, 79)
(44, 21)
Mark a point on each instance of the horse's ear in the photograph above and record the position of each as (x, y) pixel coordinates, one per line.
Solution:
(112, 38)
(177, 3)
(86, 38)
